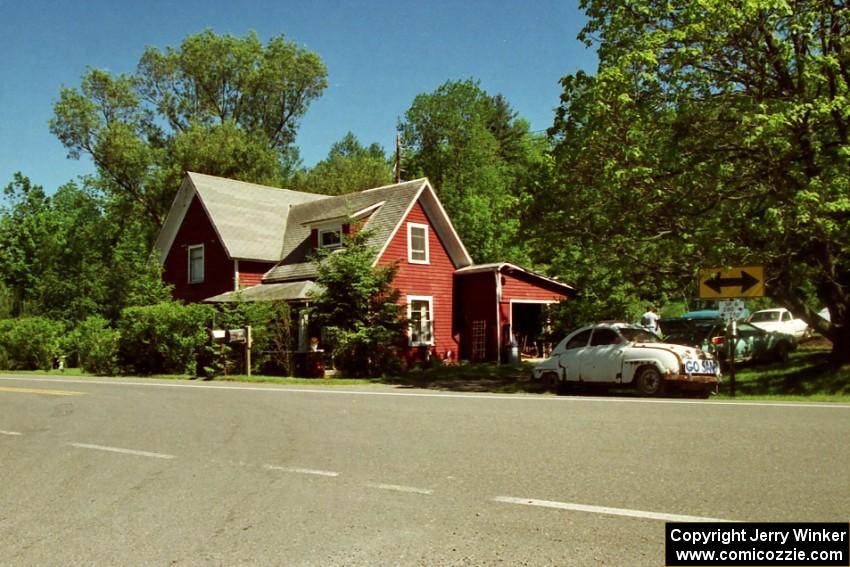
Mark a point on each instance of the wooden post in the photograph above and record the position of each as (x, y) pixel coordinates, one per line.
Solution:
(248, 350)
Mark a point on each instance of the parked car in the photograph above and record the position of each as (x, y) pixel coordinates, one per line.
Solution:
(780, 319)
(709, 335)
(624, 355)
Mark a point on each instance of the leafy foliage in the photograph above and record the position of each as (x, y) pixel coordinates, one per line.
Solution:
(97, 345)
(358, 310)
(349, 167)
(271, 338)
(479, 157)
(713, 134)
(219, 105)
(69, 255)
(30, 343)
(166, 338)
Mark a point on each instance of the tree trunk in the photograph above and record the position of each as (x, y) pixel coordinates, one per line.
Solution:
(840, 336)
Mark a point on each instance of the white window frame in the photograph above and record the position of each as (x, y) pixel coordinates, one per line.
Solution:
(189, 251)
(335, 229)
(430, 301)
(411, 226)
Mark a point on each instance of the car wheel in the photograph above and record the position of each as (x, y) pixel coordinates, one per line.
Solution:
(550, 382)
(649, 382)
(781, 350)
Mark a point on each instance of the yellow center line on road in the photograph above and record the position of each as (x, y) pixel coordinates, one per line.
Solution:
(40, 391)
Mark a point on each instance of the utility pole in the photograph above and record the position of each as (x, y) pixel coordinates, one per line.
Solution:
(398, 157)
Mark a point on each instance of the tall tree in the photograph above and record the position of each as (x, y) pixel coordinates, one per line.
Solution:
(69, 255)
(221, 105)
(349, 167)
(477, 154)
(714, 133)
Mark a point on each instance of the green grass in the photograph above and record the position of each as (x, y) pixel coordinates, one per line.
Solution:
(806, 376)
(465, 377)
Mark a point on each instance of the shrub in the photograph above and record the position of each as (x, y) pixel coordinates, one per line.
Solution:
(271, 335)
(30, 343)
(166, 338)
(97, 346)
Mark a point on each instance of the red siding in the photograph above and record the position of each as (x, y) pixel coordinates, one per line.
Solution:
(477, 302)
(520, 286)
(218, 267)
(251, 273)
(434, 279)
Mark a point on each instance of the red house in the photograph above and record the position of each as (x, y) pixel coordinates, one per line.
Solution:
(226, 240)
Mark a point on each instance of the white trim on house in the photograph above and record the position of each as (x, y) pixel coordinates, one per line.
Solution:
(189, 272)
(439, 221)
(411, 251)
(174, 220)
(336, 229)
(430, 320)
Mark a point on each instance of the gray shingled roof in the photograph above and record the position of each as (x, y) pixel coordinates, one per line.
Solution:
(394, 200)
(250, 219)
(288, 291)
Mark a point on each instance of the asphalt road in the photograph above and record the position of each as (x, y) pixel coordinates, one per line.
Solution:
(146, 472)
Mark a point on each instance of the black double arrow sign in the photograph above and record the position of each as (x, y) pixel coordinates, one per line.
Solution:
(745, 281)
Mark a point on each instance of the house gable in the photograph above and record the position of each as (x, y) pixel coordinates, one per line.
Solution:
(421, 281)
(249, 219)
(381, 211)
(197, 232)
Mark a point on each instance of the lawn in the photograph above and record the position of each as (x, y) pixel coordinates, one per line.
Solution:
(807, 375)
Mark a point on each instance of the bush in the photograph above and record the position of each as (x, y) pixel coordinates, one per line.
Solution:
(271, 333)
(97, 346)
(30, 343)
(166, 338)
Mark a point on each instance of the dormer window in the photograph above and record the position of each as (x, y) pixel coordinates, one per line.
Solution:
(417, 243)
(330, 238)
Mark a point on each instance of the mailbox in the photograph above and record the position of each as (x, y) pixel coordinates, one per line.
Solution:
(236, 336)
(218, 334)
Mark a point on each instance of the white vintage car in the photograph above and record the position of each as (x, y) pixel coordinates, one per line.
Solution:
(622, 355)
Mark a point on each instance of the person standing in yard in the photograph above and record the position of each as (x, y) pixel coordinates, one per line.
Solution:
(649, 320)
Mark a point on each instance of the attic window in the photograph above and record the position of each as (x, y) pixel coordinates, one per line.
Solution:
(330, 238)
(417, 243)
(196, 263)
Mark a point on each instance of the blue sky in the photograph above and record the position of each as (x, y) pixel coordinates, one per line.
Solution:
(379, 54)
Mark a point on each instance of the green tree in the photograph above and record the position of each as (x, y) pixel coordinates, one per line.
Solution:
(713, 134)
(70, 255)
(220, 105)
(479, 156)
(358, 309)
(349, 167)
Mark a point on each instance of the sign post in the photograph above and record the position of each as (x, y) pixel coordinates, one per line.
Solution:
(729, 284)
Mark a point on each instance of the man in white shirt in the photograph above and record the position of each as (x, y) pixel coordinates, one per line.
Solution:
(649, 320)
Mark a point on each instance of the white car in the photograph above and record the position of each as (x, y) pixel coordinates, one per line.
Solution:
(622, 355)
(781, 320)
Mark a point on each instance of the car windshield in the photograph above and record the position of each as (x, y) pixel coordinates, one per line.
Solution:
(765, 316)
(634, 335)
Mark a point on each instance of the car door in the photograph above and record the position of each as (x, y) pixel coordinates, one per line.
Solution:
(569, 359)
(602, 360)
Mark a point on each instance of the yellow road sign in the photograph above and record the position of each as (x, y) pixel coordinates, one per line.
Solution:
(720, 283)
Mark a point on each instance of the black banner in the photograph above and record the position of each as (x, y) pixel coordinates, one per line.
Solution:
(693, 544)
